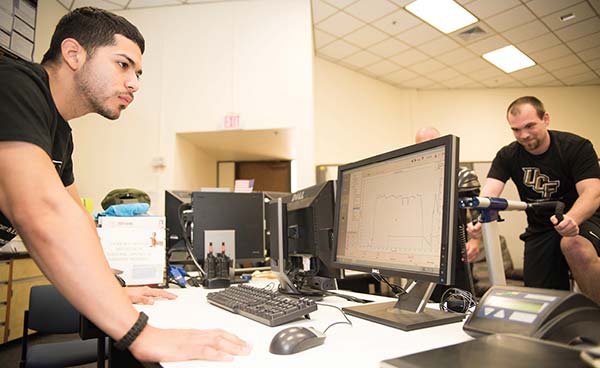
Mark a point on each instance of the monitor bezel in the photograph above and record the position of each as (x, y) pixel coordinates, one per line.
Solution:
(445, 276)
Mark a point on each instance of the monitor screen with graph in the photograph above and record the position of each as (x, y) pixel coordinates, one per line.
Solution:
(396, 212)
(396, 215)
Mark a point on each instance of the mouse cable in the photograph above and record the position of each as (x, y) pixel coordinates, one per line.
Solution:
(344, 296)
(336, 323)
(465, 298)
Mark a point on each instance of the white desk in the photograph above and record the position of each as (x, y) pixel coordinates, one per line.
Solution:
(362, 345)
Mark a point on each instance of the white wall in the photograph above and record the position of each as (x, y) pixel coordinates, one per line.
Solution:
(203, 61)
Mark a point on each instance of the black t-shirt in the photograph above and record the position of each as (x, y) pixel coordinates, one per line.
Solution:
(28, 114)
(550, 176)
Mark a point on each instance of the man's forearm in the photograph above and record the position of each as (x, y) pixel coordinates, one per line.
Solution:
(64, 244)
(584, 207)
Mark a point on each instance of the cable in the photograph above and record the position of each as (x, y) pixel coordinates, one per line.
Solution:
(186, 239)
(396, 289)
(336, 323)
(457, 301)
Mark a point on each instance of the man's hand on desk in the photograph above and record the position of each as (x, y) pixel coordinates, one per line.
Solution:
(158, 345)
(146, 295)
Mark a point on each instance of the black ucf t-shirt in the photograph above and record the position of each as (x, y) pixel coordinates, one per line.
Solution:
(550, 176)
(28, 114)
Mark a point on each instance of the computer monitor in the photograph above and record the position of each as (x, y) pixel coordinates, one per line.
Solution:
(173, 201)
(307, 237)
(396, 216)
(242, 212)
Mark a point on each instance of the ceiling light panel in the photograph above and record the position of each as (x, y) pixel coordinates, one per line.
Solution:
(509, 59)
(445, 15)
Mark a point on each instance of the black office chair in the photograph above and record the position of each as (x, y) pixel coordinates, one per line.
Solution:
(50, 312)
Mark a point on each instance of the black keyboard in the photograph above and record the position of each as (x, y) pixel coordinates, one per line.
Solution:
(262, 305)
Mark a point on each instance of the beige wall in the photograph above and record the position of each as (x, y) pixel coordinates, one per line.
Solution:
(202, 62)
(48, 15)
(356, 117)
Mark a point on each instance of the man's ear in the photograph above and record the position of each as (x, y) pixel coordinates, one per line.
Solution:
(546, 119)
(73, 54)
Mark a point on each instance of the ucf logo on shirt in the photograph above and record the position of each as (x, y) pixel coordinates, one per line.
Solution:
(539, 182)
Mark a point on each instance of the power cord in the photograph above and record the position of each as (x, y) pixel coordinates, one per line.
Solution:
(339, 322)
(396, 289)
(457, 301)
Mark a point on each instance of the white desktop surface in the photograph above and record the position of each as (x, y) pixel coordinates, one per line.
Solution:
(362, 345)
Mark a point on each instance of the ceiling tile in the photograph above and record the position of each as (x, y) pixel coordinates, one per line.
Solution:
(438, 46)
(370, 10)
(510, 18)
(486, 73)
(138, 4)
(381, 68)
(340, 4)
(570, 71)
(488, 44)
(400, 75)
(526, 73)
(456, 82)
(443, 75)
(409, 57)
(322, 38)
(581, 12)
(366, 36)
(562, 62)
(361, 59)
(539, 43)
(388, 47)
(338, 49)
(65, 3)
(594, 82)
(545, 7)
(419, 82)
(590, 54)
(579, 78)
(397, 22)
(550, 54)
(125, 2)
(586, 42)
(469, 66)
(419, 35)
(541, 80)
(426, 66)
(498, 81)
(96, 3)
(346, 65)
(526, 32)
(594, 64)
(580, 29)
(486, 8)
(402, 3)
(456, 56)
(321, 10)
(340, 24)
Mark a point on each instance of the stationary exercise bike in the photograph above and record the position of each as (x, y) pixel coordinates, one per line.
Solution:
(489, 208)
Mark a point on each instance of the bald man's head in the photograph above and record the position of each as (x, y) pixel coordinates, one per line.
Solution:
(425, 134)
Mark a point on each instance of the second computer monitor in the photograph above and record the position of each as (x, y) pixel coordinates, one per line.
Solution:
(242, 212)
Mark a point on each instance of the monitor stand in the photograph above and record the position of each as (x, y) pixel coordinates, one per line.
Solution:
(408, 312)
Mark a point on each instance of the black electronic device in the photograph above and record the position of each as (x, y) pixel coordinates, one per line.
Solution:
(301, 240)
(555, 315)
(293, 340)
(262, 305)
(173, 201)
(494, 351)
(396, 215)
(242, 212)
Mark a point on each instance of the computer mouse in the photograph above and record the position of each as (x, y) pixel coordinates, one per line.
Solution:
(295, 339)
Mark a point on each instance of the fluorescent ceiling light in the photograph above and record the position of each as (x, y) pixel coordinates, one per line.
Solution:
(445, 15)
(509, 59)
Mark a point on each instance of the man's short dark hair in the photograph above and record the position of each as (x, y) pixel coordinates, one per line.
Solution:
(514, 110)
(92, 28)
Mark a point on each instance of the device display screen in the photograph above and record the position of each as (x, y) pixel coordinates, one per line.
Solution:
(515, 304)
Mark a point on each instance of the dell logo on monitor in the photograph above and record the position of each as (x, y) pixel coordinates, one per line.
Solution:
(297, 196)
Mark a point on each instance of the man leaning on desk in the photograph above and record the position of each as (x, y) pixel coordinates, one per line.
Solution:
(93, 65)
